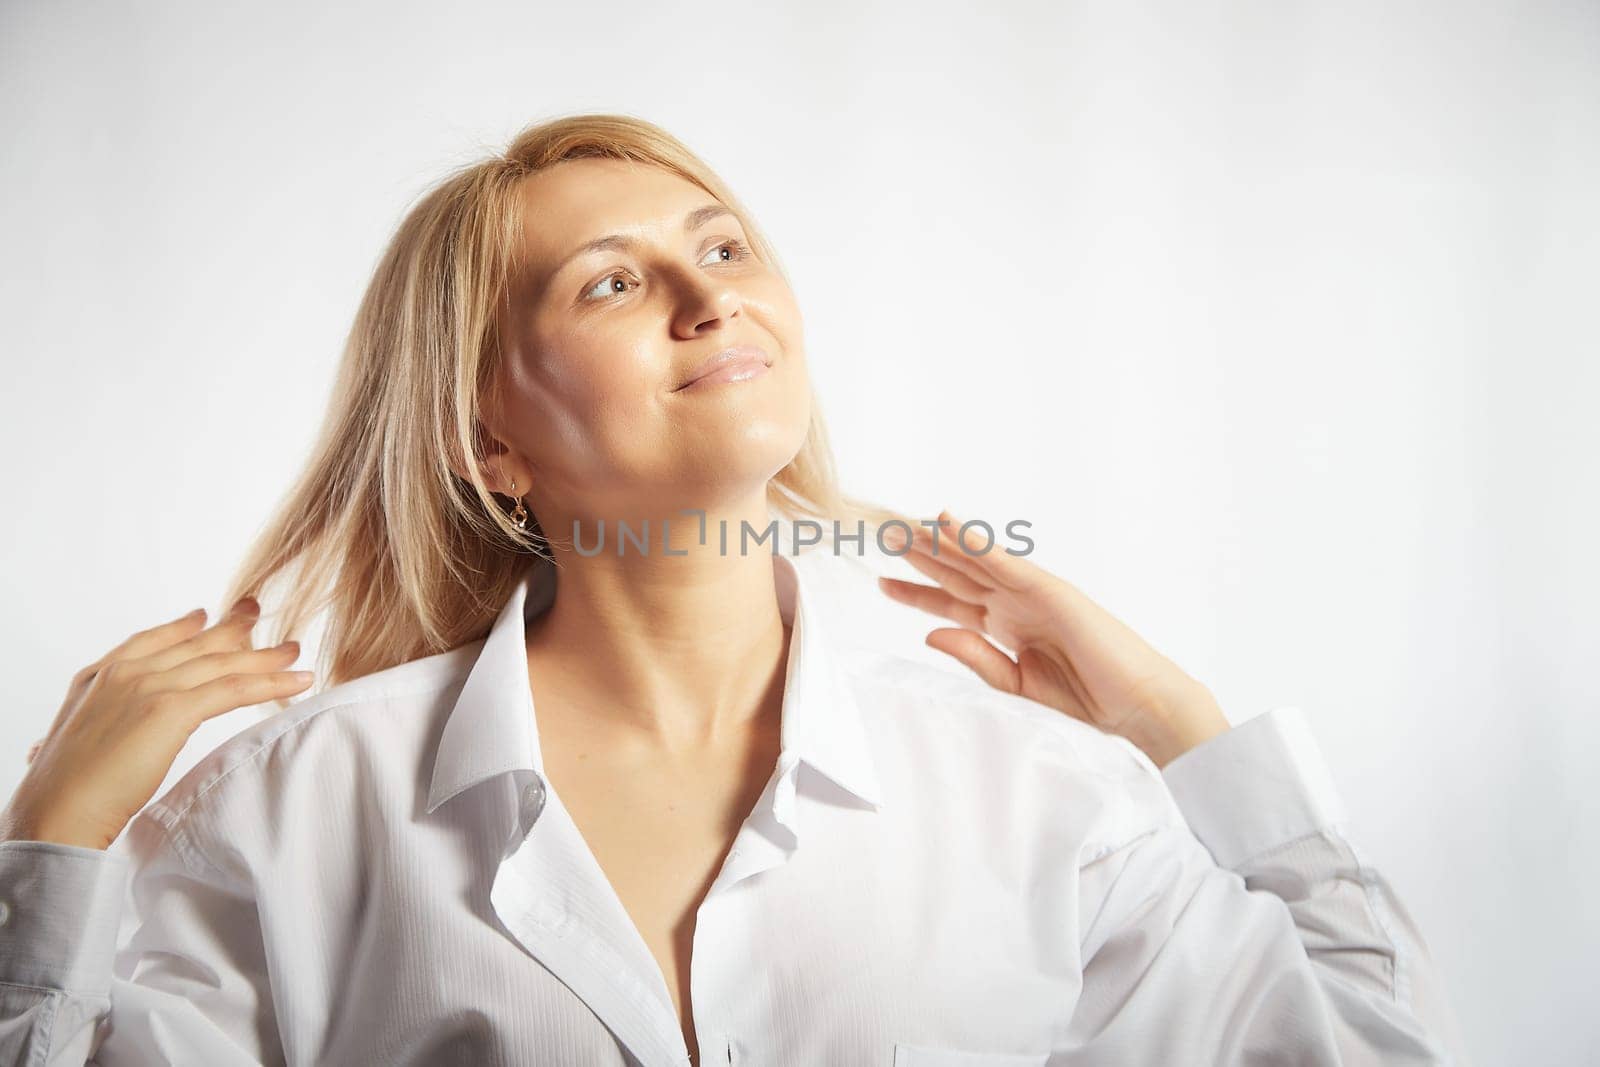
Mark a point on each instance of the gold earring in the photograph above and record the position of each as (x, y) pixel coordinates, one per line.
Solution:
(519, 514)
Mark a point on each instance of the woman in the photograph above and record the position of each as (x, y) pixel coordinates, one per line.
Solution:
(726, 836)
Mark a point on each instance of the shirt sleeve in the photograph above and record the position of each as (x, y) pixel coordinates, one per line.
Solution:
(1257, 934)
(190, 985)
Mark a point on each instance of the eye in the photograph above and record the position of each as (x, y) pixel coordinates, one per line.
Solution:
(608, 284)
(606, 287)
(738, 250)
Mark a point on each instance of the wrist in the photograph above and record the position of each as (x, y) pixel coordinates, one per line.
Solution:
(1168, 732)
(18, 823)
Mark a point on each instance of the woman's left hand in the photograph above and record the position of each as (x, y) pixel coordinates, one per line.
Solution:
(1071, 654)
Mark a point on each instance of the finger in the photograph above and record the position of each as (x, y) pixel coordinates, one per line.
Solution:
(198, 670)
(33, 749)
(954, 580)
(241, 690)
(935, 601)
(985, 660)
(231, 633)
(1082, 614)
(146, 642)
(949, 551)
(995, 566)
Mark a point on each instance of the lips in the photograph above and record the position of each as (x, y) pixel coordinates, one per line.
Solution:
(730, 364)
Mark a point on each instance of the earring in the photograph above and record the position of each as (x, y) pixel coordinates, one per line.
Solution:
(519, 514)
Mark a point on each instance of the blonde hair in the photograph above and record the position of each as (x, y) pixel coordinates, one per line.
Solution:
(407, 557)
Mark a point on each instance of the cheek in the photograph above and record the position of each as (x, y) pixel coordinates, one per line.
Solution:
(774, 304)
(583, 399)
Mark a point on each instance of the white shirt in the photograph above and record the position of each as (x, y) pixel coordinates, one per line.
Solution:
(937, 874)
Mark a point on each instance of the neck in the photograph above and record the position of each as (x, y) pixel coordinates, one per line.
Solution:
(674, 654)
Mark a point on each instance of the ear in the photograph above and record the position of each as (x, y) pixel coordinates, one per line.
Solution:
(498, 462)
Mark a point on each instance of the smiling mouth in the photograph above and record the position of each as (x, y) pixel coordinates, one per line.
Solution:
(737, 364)
(726, 374)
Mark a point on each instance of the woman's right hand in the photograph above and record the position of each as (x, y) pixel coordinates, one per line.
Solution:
(127, 716)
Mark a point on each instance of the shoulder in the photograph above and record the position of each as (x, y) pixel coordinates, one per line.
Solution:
(329, 737)
(1010, 745)
(961, 698)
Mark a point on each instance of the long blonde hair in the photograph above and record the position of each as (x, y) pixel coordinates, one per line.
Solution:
(407, 557)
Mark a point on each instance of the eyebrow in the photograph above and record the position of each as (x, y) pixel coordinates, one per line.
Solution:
(616, 242)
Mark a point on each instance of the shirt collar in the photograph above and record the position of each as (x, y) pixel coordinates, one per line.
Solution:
(491, 728)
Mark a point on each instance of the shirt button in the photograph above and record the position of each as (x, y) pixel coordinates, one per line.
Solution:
(533, 800)
(5, 912)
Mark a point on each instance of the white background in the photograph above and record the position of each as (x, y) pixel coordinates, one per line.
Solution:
(1276, 320)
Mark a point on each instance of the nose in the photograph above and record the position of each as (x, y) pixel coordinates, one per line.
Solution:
(708, 304)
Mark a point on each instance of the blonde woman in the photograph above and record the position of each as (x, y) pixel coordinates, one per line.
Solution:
(725, 836)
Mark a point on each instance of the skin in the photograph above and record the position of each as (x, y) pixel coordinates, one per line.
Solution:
(658, 679)
(127, 715)
(1069, 653)
(592, 427)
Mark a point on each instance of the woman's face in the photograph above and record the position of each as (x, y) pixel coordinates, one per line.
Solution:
(599, 341)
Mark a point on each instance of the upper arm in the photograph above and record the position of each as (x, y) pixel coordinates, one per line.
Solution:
(1252, 930)
(189, 985)
(196, 957)
(1184, 963)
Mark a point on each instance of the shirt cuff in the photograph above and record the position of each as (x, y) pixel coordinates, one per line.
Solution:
(1255, 787)
(60, 908)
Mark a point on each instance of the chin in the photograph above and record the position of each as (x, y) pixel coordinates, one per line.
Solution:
(740, 461)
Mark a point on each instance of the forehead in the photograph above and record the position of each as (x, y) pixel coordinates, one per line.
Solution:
(580, 199)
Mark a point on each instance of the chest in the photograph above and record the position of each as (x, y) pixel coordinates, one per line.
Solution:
(868, 934)
(660, 830)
